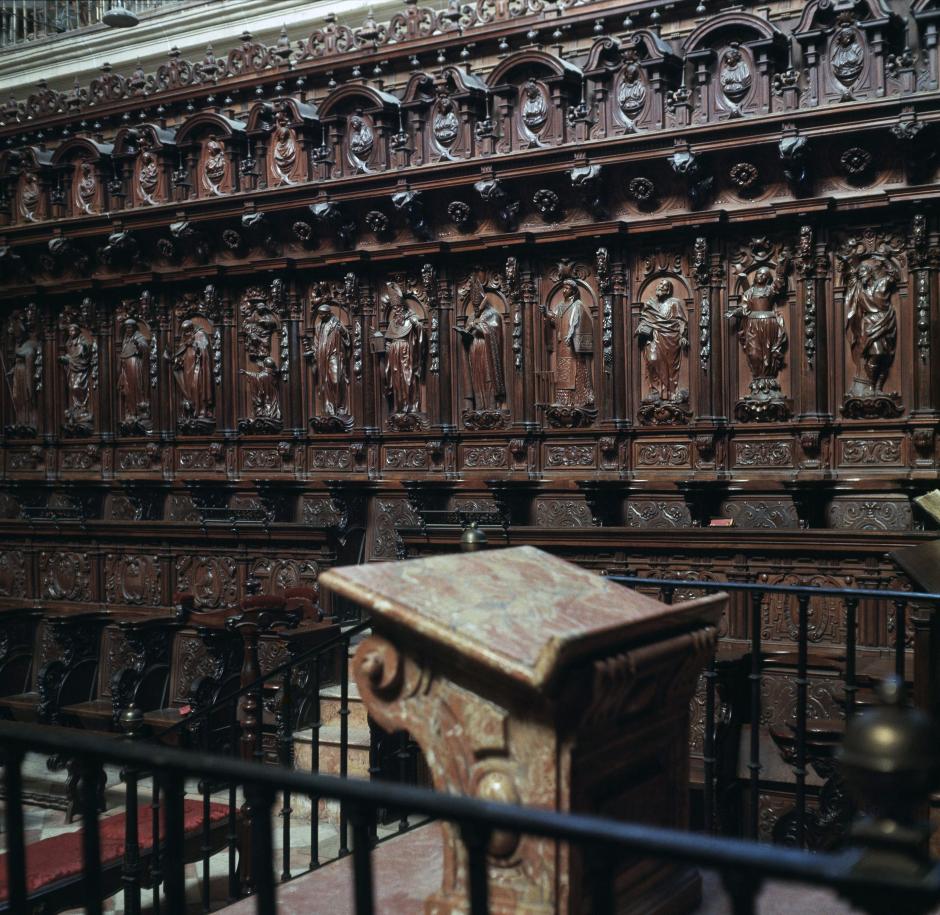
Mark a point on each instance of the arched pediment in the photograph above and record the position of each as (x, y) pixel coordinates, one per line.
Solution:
(458, 81)
(604, 55)
(129, 140)
(352, 95)
(740, 27)
(30, 157)
(822, 13)
(298, 113)
(83, 146)
(554, 67)
(210, 122)
(648, 46)
(419, 90)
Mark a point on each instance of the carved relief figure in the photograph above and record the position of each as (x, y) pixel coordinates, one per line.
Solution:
(148, 177)
(193, 373)
(21, 375)
(405, 353)
(28, 196)
(848, 57)
(534, 107)
(734, 74)
(361, 140)
(763, 337)
(264, 388)
(631, 96)
(871, 320)
(573, 367)
(134, 376)
(483, 336)
(446, 123)
(283, 151)
(214, 167)
(77, 361)
(86, 188)
(663, 334)
(330, 349)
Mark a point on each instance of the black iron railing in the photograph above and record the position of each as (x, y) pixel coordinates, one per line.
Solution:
(803, 595)
(909, 885)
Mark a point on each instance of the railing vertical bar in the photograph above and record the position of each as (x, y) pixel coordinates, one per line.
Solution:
(15, 829)
(231, 835)
(130, 876)
(156, 854)
(802, 685)
(851, 624)
(900, 638)
(601, 875)
(175, 836)
(261, 801)
(344, 745)
(315, 768)
(363, 895)
(404, 756)
(285, 737)
(475, 841)
(708, 748)
(206, 846)
(755, 680)
(667, 593)
(91, 840)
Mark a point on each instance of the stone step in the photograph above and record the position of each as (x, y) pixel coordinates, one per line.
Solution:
(331, 703)
(357, 764)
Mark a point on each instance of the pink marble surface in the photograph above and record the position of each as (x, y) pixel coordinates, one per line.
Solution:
(519, 610)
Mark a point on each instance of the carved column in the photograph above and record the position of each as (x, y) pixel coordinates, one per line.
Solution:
(528, 707)
(923, 254)
(227, 410)
(531, 337)
(812, 379)
(295, 421)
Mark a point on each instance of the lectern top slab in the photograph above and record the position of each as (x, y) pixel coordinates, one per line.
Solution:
(520, 610)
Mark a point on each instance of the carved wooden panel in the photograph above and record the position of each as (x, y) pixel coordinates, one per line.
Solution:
(212, 580)
(132, 579)
(65, 575)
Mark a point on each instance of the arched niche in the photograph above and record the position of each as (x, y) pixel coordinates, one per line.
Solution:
(926, 14)
(28, 176)
(285, 132)
(145, 157)
(86, 170)
(845, 48)
(212, 145)
(734, 57)
(196, 360)
(328, 344)
(629, 82)
(533, 91)
(359, 122)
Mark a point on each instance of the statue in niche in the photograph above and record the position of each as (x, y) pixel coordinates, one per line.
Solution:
(734, 75)
(193, 374)
(329, 353)
(848, 58)
(264, 397)
(134, 379)
(872, 326)
(663, 334)
(573, 358)
(87, 189)
(22, 375)
(214, 168)
(29, 196)
(631, 96)
(405, 354)
(259, 332)
(446, 122)
(148, 178)
(361, 139)
(534, 107)
(483, 337)
(77, 361)
(763, 337)
(283, 150)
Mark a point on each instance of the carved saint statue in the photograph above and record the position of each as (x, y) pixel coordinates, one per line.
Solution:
(21, 376)
(77, 361)
(283, 151)
(192, 371)
(148, 177)
(847, 55)
(446, 122)
(734, 75)
(631, 96)
(761, 330)
(29, 196)
(134, 374)
(871, 321)
(534, 109)
(483, 336)
(331, 347)
(213, 170)
(264, 392)
(87, 189)
(663, 332)
(574, 348)
(361, 138)
(405, 350)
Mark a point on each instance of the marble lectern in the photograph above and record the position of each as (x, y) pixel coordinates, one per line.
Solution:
(528, 680)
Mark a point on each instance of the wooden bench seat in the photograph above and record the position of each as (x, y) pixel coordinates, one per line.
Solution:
(54, 865)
